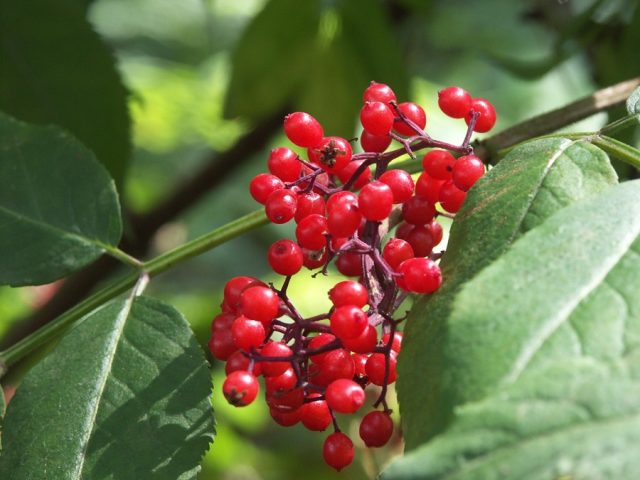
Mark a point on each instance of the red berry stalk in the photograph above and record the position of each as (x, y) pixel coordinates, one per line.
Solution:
(379, 227)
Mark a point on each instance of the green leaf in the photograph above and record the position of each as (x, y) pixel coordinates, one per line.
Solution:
(126, 394)
(3, 407)
(263, 79)
(535, 180)
(633, 102)
(58, 206)
(543, 354)
(55, 69)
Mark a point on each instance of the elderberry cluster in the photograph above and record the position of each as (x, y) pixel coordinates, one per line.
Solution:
(377, 225)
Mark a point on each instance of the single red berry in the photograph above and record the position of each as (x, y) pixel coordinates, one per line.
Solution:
(466, 172)
(314, 258)
(421, 240)
(438, 164)
(315, 414)
(348, 321)
(259, 303)
(332, 154)
(400, 182)
(281, 383)
(454, 102)
(272, 368)
(234, 287)
(280, 206)
(360, 375)
(247, 333)
(335, 364)
(284, 164)
(340, 198)
(374, 143)
(285, 419)
(418, 211)
(303, 130)
(349, 292)
(350, 264)
(436, 232)
(349, 170)
(285, 257)
(363, 343)
(288, 401)
(397, 251)
(318, 342)
(428, 187)
(376, 428)
(377, 118)
(239, 361)
(420, 275)
(222, 321)
(487, 115)
(337, 450)
(311, 232)
(309, 203)
(414, 113)
(451, 197)
(376, 368)
(221, 345)
(263, 185)
(344, 219)
(378, 92)
(240, 388)
(344, 396)
(403, 230)
(396, 344)
(375, 201)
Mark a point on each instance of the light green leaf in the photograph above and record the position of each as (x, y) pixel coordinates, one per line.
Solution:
(126, 394)
(633, 102)
(56, 70)
(58, 206)
(543, 355)
(535, 180)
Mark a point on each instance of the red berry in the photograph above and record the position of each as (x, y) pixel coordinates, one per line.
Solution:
(349, 292)
(285, 419)
(436, 232)
(221, 345)
(376, 367)
(337, 450)
(451, 197)
(418, 211)
(311, 231)
(377, 118)
(318, 342)
(264, 185)
(335, 364)
(414, 113)
(396, 343)
(344, 219)
(302, 129)
(288, 401)
(487, 118)
(247, 333)
(234, 288)
(401, 184)
(466, 172)
(280, 206)
(397, 251)
(344, 396)
(378, 92)
(350, 264)
(403, 230)
(332, 154)
(238, 361)
(240, 388)
(375, 201)
(363, 343)
(438, 164)
(421, 240)
(275, 368)
(428, 187)
(454, 102)
(421, 275)
(281, 383)
(340, 198)
(284, 164)
(222, 321)
(348, 321)
(315, 414)
(374, 143)
(285, 257)
(309, 203)
(314, 258)
(376, 429)
(349, 170)
(259, 303)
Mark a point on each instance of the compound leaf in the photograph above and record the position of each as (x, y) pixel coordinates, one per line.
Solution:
(126, 394)
(59, 208)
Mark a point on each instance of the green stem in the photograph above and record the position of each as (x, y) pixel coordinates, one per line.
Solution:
(153, 267)
(616, 148)
(123, 257)
(621, 124)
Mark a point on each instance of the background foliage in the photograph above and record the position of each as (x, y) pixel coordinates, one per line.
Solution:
(180, 101)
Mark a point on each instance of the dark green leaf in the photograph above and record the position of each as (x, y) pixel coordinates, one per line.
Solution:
(126, 394)
(543, 354)
(633, 102)
(55, 69)
(535, 180)
(264, 78)
(58, 206)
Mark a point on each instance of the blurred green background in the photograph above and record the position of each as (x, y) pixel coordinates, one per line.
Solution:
(203, 74)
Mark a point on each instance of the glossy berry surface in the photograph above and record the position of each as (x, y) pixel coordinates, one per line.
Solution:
(487, 115)
(414, 113)
(376, 118)
(338, 450)
(454, 102)
(240, 388)
(284, 164)
(344, 396)
(378, 92)
(376, 429)
(302, 129)
(332, 154)
(285, 257)
(466, 172)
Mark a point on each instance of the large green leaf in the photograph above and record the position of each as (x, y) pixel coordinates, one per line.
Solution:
(55, 69)
(535, 180)
(126, 395)
(543, 354)
(58, 206)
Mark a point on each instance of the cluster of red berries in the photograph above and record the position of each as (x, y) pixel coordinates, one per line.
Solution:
(383, 235)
